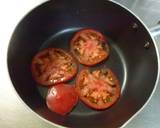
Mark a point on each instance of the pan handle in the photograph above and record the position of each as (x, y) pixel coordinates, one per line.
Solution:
(155, 31)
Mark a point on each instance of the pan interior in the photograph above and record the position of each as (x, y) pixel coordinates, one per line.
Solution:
(53, 24)
(61, 40)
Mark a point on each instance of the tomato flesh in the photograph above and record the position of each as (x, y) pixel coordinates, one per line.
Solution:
(53, 66)
(99, 89)
(61, 98)
(89, 47)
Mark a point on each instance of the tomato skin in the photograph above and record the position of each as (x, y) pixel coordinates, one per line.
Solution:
(61, 98)
(51, 67)
(102, 40)
(88, 102)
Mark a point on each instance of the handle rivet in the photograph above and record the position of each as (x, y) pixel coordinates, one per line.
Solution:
(147, 45)
(135, 26)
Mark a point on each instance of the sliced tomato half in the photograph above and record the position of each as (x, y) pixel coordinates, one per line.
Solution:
(53, 66)
(61, 98)
(99, 89)
(89, 47)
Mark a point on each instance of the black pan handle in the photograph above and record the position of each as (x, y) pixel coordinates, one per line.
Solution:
(155, 31)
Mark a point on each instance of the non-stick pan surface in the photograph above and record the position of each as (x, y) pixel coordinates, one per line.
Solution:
(53, 24)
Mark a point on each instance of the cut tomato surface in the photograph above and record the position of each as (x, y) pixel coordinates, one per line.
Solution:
(99, 89)
(61, 98)
(53, 66)
(89, 47)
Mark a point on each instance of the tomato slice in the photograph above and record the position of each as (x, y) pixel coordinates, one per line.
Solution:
(89, 47)
(99, 89)
(61, 98)
(53, 66)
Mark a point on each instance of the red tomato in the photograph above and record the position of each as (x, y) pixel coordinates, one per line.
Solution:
(99, 89)
(61, 98)
(89, 47)
(53, 66)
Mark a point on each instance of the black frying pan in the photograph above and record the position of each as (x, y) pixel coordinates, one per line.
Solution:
(133, 57)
